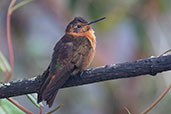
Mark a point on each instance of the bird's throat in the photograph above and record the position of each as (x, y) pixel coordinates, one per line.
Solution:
(89, 34)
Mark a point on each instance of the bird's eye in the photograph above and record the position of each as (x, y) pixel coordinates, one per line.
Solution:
(79, 26)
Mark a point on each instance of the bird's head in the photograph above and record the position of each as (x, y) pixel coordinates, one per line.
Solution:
(80, 25)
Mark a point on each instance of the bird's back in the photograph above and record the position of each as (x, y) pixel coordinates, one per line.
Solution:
(72, 54)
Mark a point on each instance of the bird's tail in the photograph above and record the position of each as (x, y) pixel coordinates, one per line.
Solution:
(43, 85)
(51, 85)
(49, 100)
(50, 97)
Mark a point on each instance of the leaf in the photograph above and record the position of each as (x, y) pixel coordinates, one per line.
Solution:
(6, 107)
(165, 52)
(4, 65)
(2, 111)
(2, 68)
(21, 4)
(55, 109)
(34, 101)
(127, 110)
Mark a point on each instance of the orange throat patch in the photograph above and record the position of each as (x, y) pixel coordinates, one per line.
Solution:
(89, 34)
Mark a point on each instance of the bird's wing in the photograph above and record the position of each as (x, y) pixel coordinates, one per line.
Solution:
(66, 58)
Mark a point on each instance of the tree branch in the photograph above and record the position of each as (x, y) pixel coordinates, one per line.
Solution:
(150, 66)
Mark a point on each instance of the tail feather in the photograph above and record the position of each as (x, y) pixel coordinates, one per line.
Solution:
(51, 99)
(42, 90)
(44, 84)
(51, 85)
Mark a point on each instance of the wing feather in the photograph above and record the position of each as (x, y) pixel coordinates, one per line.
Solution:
(68, 56)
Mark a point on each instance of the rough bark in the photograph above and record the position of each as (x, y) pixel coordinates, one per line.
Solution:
(151, 66)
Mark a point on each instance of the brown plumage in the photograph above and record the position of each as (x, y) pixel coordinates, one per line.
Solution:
(72, 54)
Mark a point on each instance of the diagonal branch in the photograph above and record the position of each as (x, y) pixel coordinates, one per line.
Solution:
(150, 66)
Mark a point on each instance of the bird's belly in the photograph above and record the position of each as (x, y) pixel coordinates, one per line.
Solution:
(86, 61)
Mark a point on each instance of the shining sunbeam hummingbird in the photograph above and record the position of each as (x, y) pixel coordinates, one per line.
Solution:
(72, 54)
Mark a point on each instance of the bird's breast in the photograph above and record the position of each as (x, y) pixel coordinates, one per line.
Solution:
(91, 37)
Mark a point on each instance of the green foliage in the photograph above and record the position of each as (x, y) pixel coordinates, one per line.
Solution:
(4, 65)
(6, 107)
(34, 101)
(73, 4)
(21, 4)
(55, 109)
(164, 5)
(96, 9)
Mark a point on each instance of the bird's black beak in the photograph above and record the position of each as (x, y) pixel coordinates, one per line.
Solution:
(96, 21)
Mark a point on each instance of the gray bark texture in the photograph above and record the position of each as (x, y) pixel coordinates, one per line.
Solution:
(142, 67)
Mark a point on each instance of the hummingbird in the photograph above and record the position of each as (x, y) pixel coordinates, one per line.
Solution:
(72, 54)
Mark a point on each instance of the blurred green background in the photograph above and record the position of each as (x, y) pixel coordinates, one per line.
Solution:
(133, 29)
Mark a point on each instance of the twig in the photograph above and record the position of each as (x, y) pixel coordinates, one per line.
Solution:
(11, 54)
(40, 108)
(20, 107)
(157, 100)
(127, 110)
(21, 4)
(167, 51)
(55, 109)
(9, 39)
(141, 67)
